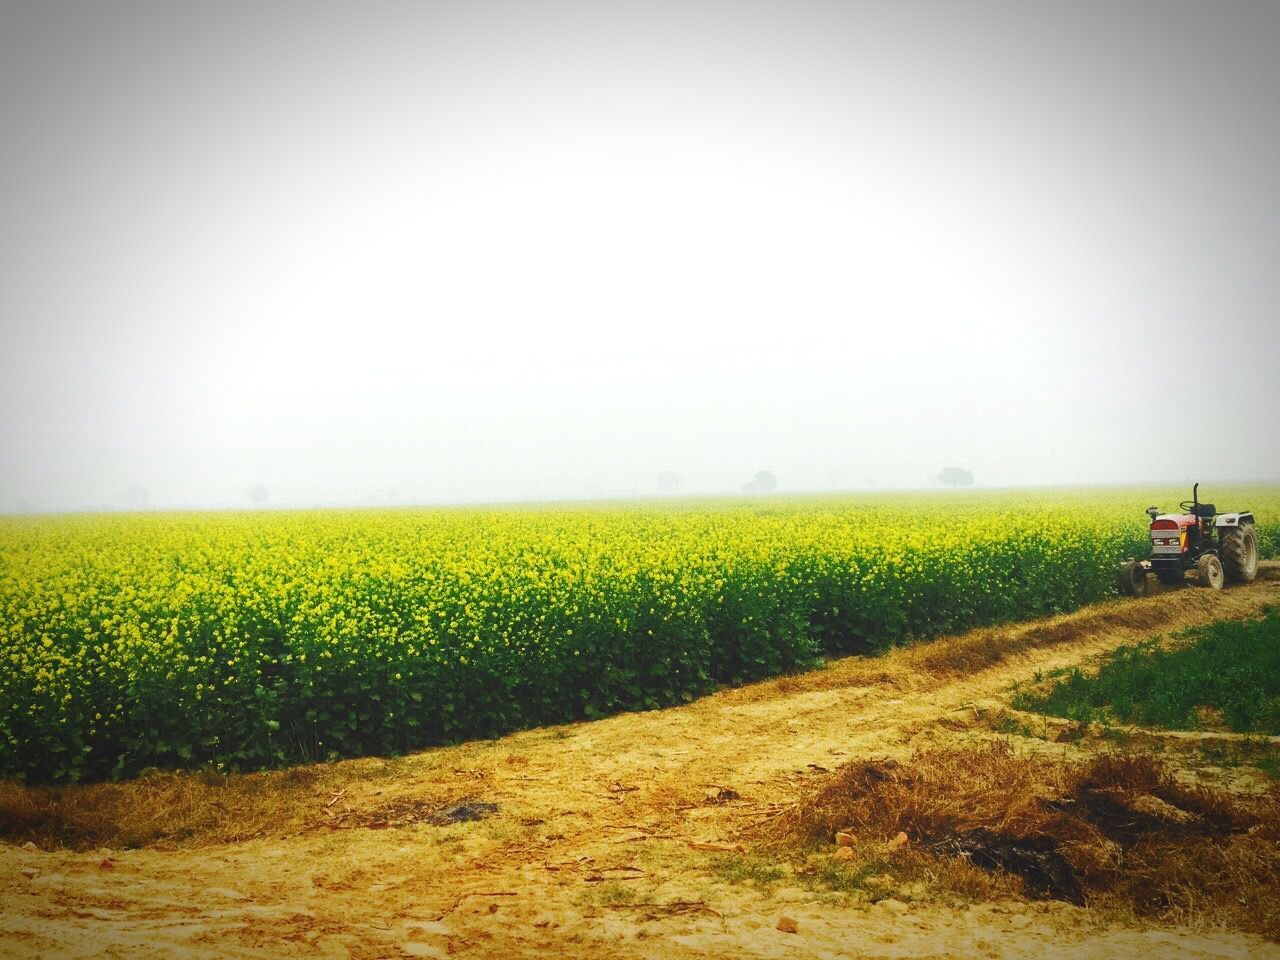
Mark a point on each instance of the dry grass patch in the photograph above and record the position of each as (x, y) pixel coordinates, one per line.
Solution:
(1113, 830)
(979, 649)
(176, 808)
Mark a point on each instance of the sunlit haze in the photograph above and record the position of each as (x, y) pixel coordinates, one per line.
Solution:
(456, 252)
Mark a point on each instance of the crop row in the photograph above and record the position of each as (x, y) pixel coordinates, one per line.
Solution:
(250, 640)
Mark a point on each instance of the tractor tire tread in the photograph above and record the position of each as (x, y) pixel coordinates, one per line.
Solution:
(1210, 573)
(1239, 549)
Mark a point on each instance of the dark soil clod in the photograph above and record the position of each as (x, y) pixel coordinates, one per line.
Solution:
(1044, 872)
(467, 812)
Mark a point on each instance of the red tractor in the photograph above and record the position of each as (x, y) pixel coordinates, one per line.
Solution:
(1217, 546)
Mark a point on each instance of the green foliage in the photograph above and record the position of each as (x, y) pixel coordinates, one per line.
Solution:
(749, 869)
(853, 877)
(241, 641)
(1010, 727)
(1229, 667)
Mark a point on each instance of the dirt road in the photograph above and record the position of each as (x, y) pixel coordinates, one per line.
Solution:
(607, 839)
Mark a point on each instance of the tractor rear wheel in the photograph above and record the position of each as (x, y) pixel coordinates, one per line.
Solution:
(1132, 578)
(1239, 549)
(1209, 569)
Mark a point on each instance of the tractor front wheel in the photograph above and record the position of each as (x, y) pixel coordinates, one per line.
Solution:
(1239, 552)
(1132, 578)
(1209, 569)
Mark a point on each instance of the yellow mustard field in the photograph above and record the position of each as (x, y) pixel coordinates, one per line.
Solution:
(245, 640)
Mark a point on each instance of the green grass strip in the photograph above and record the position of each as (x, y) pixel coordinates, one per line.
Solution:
(1230, 667)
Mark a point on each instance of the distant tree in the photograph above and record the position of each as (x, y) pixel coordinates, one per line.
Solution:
(668, 482)
(955, 477)
(134, 497)
(258, 495)
(762, 482)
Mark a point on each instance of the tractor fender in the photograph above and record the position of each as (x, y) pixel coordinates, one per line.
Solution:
(1232, 519)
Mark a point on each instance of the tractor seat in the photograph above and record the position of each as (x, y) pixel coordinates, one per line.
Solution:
(1204, 510)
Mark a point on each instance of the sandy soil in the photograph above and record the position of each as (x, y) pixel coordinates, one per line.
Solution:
(607, 835)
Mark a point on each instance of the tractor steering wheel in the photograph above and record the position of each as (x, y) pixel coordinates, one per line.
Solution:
(1186, 505)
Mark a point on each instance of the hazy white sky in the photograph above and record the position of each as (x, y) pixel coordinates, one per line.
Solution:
(462, 251)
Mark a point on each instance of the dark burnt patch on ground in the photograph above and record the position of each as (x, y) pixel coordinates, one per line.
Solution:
(1119, 829)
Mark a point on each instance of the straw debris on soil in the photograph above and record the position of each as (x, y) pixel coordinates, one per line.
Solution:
(1118, 829)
